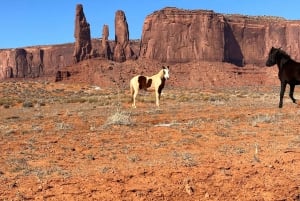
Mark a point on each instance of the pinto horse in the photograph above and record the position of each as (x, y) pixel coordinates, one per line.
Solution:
(156, 82)
(289, 71)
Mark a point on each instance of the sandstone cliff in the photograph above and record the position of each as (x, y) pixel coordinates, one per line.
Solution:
(173, 35)
(249, 39)
(36, 61)
(176, 35)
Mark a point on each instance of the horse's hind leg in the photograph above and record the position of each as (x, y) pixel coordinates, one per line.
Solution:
(292, 88)
(133, 95)
(282, 90)
(131, 92)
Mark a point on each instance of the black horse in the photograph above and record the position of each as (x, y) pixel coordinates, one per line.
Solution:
(289, 71)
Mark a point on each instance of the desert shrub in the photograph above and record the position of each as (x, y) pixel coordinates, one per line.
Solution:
(6, 106)
(27, 104)
(75, 100)
(119, 118)
(41, 103)
(183, 98)
(63, 126)
(265, 118)
(3, 102)
(93, 99)
(7, 102)
(187, 159)
(133, 158)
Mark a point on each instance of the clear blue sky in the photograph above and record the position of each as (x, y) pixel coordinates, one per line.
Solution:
(42, 22)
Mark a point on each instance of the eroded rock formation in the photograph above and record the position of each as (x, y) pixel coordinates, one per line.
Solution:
(83, 44)
(105, 51)
(122, 50)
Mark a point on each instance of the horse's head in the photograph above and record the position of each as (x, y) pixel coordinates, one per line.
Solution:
(272, 56)
(166, 72)
(277, 56)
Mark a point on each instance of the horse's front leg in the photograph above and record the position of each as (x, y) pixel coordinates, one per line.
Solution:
(157, 97)
(282, 90)
(292, 88)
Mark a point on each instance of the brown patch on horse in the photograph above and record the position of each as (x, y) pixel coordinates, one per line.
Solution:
(149, 83)
(143, 84)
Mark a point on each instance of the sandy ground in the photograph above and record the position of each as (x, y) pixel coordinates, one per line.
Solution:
(79, 142)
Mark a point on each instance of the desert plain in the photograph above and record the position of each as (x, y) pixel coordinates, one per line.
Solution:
(78, 141)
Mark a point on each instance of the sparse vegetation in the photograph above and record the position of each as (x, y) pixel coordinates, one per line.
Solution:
(27, 104)
(263, 118)
(119, 118)
(84, 136)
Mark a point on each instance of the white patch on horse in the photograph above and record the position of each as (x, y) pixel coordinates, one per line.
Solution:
(155, 82)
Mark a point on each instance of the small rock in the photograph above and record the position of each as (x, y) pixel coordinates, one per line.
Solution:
(206, 195)
(189, 189)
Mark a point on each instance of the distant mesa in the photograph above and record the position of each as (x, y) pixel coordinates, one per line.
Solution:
(177, 35)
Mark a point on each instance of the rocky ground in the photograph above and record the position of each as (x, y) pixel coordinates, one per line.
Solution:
(62, 141)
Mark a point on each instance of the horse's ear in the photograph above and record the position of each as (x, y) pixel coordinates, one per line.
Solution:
(165, 67)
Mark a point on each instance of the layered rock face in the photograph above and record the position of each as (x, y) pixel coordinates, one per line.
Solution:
(249, 39)
(83, 44)
(22, 64)
(32, 62)
(175, 35)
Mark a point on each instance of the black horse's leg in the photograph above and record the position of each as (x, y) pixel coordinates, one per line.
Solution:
(282, 90)
(292, 87)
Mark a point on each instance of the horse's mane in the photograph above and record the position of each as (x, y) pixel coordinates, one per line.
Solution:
(284, 54)
(285, 57)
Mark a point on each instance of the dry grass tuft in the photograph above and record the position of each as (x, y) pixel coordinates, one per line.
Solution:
(119, 118)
